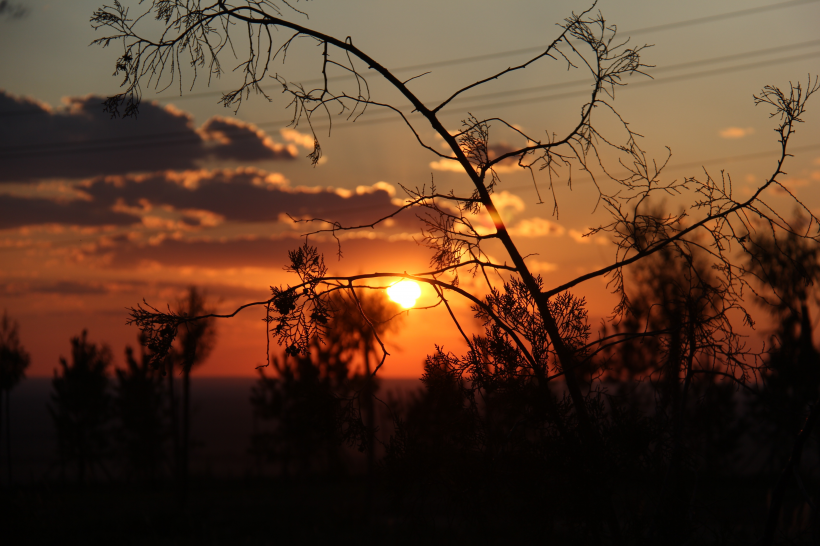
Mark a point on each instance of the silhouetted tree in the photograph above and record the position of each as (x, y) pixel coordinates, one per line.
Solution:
(13, 363)
(300, 409)
(195, 342)
(533, 335)
(676, 338)
(140, 406)
(81, 406)
(318, 400)
(786, 411)
(359, 321)
(787, 268)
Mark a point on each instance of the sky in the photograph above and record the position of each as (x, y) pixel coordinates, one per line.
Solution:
(97, 214)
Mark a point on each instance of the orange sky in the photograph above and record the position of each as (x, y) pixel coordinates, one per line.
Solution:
(97, 214)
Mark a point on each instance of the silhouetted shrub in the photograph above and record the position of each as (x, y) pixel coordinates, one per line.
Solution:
(81, 407)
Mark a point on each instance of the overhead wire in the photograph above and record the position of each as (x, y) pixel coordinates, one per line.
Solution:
(519, 51)
(537, 49)
(189, 138)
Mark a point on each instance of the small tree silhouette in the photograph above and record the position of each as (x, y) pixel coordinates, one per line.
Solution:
(81, 406)
(318, 400)
(787, 266)
(195, 342)
(676, 337)
(13, 363)
(359, 321)
(300, 409)
(140, 406)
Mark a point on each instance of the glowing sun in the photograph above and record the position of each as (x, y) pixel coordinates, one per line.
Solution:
(405, 293)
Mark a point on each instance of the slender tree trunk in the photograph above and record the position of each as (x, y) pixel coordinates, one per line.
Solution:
(672, 479)
(786, 475)
(8, 432)
(2, 395)
(186, 433)
(370, 413)
(81, 459)
(370, 425)
(172, 401)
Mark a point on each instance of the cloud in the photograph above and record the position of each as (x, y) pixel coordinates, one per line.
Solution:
(450, 165)
(300, 139)
(793, 183)
(242, 195)
(736, 132)
(536, 227)
(80, 140)
(538, 266)
(174, 200)
(493, 151)
(240, 141)
(358, 254)
(501, 148)
(587, 239)
(508, 205)
(22, 211)
(13, 10)
(27, 287)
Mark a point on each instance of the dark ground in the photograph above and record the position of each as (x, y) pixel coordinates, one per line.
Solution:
(264, 511)
(232, 500)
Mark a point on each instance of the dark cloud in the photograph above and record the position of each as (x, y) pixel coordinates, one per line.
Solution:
(25, 287)
(358, 254)
(71, 288)
(238, 195)
(246, 195)
(81, 140)
(21, 211)
(236, 140)
(12, 9)
(501, 148)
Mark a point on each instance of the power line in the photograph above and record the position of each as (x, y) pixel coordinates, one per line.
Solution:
(537, 49)
(185, 138)
(669, 79)
(695, 164)
(678, 66)
(512, 52)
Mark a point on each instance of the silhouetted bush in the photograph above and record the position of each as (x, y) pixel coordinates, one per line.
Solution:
(13, 363)
(81, 407)
(141, 408)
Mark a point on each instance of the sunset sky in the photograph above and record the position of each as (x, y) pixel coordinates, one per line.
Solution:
(97, 214)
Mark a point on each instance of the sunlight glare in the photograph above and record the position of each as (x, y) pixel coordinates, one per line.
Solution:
(405, 293)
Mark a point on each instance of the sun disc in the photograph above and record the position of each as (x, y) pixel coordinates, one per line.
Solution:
(405, 293)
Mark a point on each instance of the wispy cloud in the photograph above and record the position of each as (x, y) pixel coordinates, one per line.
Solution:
(736, 132)
(539, 266)
(587, 239)
(262, 252)
(536, 227)
(493, 151)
